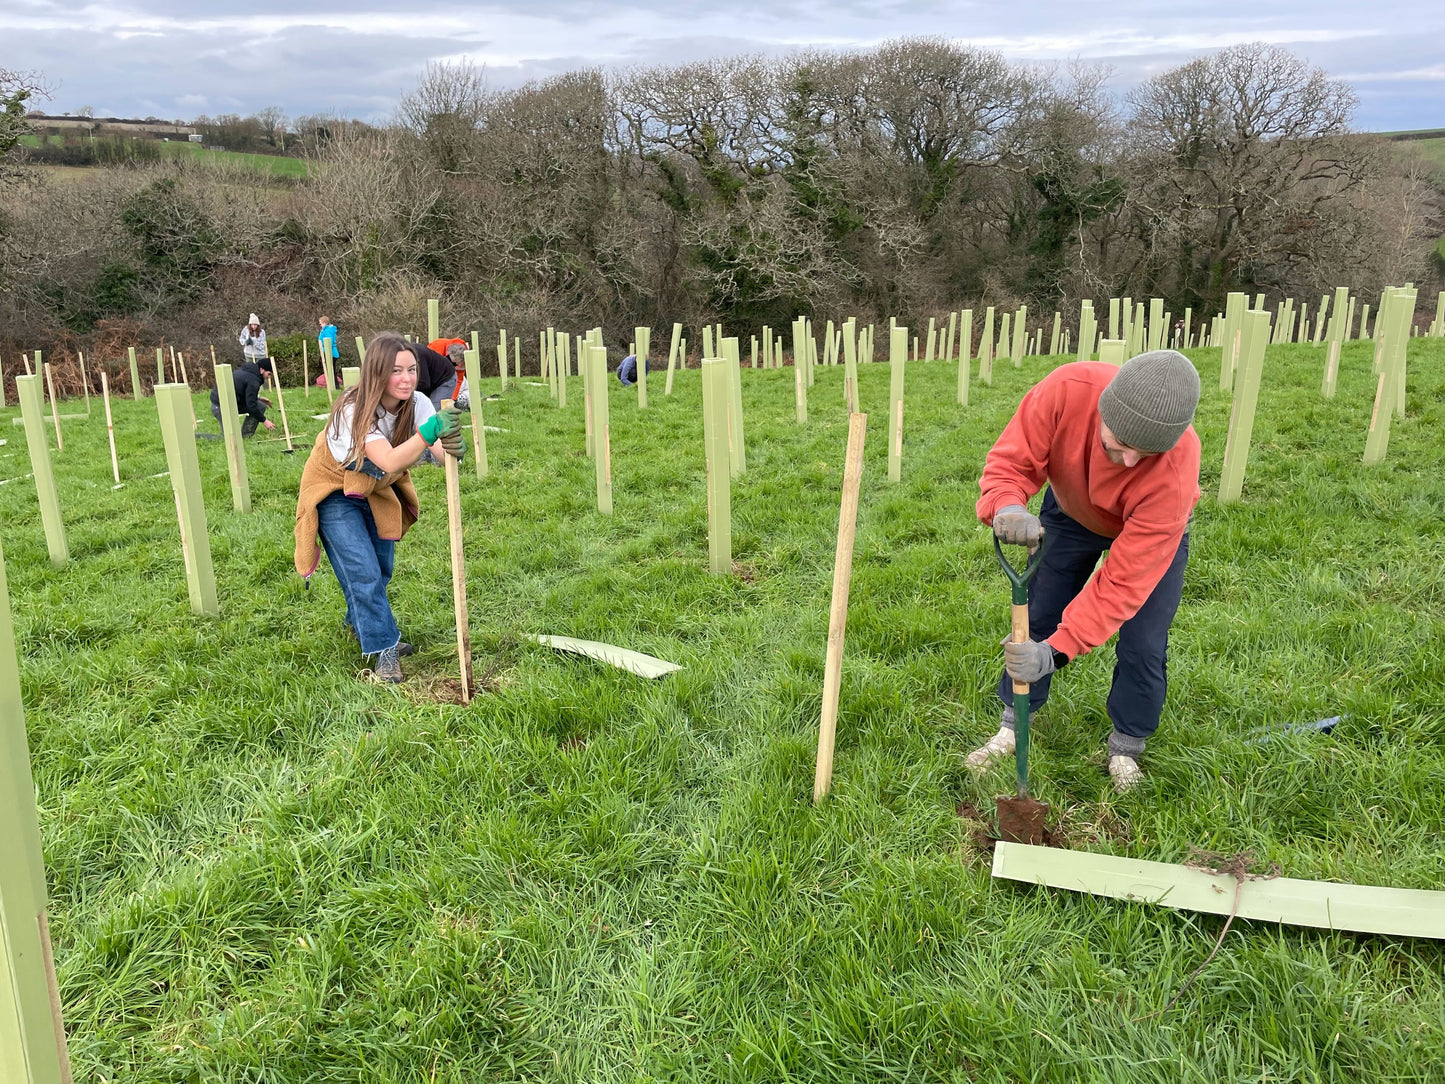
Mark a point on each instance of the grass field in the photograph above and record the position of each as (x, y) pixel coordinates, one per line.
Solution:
(1433, 149)
(275, 165)
(264, 869)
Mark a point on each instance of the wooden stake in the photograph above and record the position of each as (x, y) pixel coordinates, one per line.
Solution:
(109, 425)
(173, 402)
(838, 610)
(897, 357)
(716, 392)
(281, 400)
(27, 390)
(54, 408)
(459, 567)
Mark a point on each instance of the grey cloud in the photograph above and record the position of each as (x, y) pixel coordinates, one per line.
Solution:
(358, 57)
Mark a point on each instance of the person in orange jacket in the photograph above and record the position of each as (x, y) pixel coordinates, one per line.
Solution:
(1120, 459)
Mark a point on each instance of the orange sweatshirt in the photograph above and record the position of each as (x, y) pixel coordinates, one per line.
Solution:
(440, 346)
(1054, 437)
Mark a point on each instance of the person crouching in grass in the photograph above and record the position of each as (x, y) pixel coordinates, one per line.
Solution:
(357, 497)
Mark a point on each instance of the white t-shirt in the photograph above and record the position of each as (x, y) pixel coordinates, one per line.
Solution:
(383, 427)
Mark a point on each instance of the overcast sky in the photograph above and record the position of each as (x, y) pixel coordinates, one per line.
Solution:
(181, 58)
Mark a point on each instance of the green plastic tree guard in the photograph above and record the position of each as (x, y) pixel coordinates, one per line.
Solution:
(965, 351)
(231, 432)
(1254, 337)
(479, 438)
(672, 356)
(433, 320)
(1395, 339)
(897, 358)
(32, 1037)
(32, 413)
(601, 429)
(173, 402)
(985, 350)
(643, 337)
(716, 394)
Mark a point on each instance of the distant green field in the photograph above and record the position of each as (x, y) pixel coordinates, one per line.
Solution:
(1433, 149)
(281, 167)
(270, 163)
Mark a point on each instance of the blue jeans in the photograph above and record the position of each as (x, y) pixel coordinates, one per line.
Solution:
(1136, 698)
(363, 564)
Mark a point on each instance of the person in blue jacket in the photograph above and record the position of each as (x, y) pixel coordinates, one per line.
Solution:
(627, 371)
(326, 340)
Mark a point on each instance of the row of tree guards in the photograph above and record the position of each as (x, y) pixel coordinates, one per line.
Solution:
(32, 1042)
(1131, 330)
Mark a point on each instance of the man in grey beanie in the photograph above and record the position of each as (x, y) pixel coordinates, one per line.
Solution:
(1115, 446)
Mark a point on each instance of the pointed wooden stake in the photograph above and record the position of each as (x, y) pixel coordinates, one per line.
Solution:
(109, 425)
(838, 610)
(459, 568)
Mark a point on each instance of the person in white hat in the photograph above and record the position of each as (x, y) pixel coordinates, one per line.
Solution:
(253, 339)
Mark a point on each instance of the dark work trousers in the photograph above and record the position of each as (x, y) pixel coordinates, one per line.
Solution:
(1140, 670)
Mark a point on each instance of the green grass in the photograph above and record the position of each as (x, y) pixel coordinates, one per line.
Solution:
(275, 165)
(1433, 149)
(264, 869)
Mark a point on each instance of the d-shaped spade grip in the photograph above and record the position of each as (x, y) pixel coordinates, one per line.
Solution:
(1020, 581)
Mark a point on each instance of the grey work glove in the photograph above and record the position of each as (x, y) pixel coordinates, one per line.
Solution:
(454, 444)
(1029, 661)
(1016, 525)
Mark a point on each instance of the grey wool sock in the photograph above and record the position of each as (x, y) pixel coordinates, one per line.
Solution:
(1007, 721)
(1125, 745)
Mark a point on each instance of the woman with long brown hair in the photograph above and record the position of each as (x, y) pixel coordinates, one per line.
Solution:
(356, 495)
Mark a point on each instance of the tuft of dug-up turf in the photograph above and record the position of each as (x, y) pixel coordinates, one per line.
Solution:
(264, 869)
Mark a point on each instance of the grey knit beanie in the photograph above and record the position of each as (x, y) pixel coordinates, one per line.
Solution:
(1151, 400)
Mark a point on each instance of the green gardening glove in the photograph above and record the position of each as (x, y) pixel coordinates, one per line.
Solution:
(440, 424)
